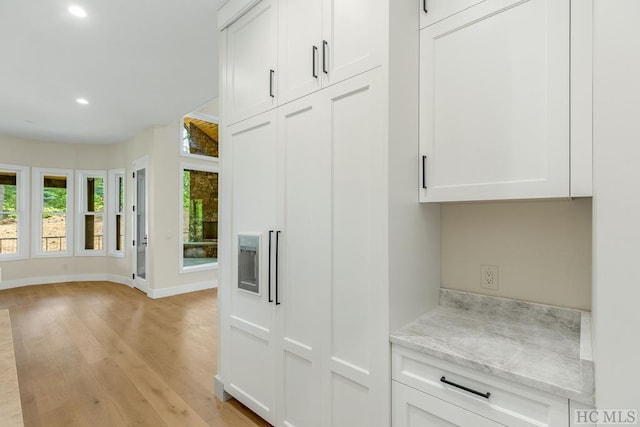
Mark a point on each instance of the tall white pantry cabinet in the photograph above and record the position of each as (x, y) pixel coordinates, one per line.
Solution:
(324, 247)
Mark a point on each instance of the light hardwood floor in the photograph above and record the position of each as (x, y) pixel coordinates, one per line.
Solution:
(103, 354)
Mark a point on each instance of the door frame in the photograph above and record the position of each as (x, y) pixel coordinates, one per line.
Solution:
(137, 282)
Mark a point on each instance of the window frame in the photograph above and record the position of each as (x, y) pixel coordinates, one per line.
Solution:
(112, 214)
(206, 118)
(212, 167)
(22, 211)
(81, 212)
(38, 210)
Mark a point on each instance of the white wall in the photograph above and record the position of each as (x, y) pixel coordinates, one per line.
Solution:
(542, 249)
(165, 205)
(616, 270)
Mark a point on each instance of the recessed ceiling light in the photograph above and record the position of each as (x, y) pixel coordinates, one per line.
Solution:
(82, 101)
(77, 11)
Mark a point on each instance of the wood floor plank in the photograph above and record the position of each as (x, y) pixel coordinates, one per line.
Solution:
(102, 354)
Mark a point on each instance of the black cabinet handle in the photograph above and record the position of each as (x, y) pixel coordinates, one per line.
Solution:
(470, 390)
(271, 73)
(325, 46)
(314, 54)
(277, 250)
(269, 268)
(424, 6)
(424, 172)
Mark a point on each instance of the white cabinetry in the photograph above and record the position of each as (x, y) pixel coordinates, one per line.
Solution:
(280, 50)
(318, 177)
(412, 408)
(428, 387)
(322, 42)
(312, 343)
(495, 100)
(249, 56)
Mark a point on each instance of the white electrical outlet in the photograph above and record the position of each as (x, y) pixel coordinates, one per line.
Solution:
(489, 277)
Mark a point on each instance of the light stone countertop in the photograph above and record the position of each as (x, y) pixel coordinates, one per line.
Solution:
(544, 347)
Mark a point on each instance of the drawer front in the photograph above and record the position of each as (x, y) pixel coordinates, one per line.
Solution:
(412, 408)
(508, 403)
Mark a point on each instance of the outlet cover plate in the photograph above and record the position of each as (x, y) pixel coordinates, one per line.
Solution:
(489, 277)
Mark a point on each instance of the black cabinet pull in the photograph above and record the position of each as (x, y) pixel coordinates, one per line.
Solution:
(325, 45)
(271, 73)
(424, 172)
(424, 6)
(269, 268)
(314, 54)
(485, 395)
(277, 250)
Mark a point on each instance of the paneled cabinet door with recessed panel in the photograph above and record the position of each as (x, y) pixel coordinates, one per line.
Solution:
(250, 59)
(494, 101)
(250, 349)
(322, 42)
(304, 211)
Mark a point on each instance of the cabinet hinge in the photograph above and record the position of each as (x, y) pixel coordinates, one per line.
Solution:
(133, 275)
(134, 243)
(134, 174)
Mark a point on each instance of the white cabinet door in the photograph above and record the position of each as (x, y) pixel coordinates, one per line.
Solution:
(322, 42)
(356, 344)
(353, 37)
(494, 102)
(251, 376)
(412, 408)
(250, 58)
(300, 48)
(305, 212)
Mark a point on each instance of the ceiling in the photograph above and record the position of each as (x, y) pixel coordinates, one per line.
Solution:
(138, 63)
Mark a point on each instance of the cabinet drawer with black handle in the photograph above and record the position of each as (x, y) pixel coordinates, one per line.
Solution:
(505, 402)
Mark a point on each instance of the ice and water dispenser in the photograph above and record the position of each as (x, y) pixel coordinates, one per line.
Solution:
(249, 262)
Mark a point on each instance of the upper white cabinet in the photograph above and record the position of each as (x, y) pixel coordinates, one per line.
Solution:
(495, 100)
(276, 51)
(250, 58)
(322, 42)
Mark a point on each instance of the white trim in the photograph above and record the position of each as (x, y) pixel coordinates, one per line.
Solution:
(45, 280)
(232, 10)
(183, 289)
(112, 202)
(38, 208)
(205, 118)
(81, 177)
(212, 168)
(23, 211)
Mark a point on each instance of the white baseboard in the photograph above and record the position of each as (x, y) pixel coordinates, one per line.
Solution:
(153, 293)
(177, 290)
(11, 284)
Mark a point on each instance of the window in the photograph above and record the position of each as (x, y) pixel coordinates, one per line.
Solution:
(116, 206)
(199, 218)
(199, 137)
(14, 208)
(91, 207)
(53, 207)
